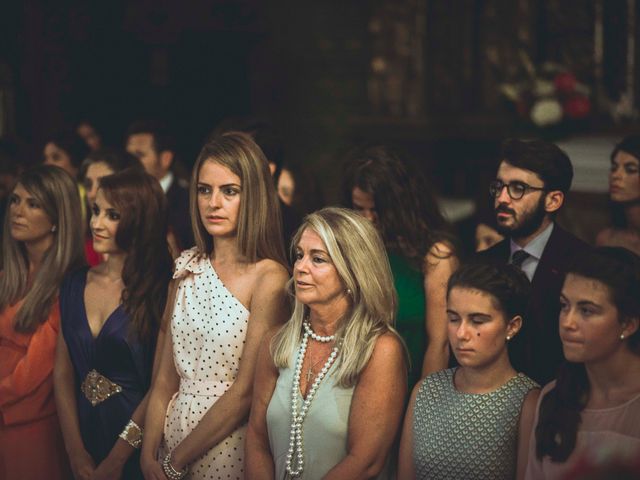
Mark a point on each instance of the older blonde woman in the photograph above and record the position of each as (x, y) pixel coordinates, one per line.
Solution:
(326, 402)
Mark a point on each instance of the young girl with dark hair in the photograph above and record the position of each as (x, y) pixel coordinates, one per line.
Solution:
(41, 242)
(473, 421)
(111, 318)
(381, 187)
(591, 413)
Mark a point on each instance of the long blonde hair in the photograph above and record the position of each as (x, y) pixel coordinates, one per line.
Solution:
(57, 194)
(259, 221)
(357, 251)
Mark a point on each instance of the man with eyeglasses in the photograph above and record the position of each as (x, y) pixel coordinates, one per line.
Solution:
(532, 181)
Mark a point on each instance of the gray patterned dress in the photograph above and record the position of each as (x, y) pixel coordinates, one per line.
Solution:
(467, 436)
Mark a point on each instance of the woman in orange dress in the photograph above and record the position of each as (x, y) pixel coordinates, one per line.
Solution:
(42, 240)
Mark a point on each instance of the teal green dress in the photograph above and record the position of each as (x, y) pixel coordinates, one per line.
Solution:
(410, 322)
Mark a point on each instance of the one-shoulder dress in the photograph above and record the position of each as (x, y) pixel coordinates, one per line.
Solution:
(208, 329)
(114, 354)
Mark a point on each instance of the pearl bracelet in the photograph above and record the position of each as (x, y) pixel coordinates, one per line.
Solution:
(170, 471)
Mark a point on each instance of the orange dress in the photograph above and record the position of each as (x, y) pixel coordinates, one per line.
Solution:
(31, 444)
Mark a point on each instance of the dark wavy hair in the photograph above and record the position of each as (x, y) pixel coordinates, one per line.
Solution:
(630, 145)
(142, 233)
(408, 215)
(560, 410)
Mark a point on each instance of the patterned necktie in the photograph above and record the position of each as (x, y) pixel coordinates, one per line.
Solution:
(518, 258)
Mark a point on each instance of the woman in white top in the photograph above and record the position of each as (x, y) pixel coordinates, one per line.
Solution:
(228, 292)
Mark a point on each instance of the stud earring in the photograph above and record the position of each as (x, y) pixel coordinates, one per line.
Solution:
(348, 291)
(508, 337)
(622, 336)
(53, 228)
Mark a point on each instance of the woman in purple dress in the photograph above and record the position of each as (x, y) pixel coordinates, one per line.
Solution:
(110, 317)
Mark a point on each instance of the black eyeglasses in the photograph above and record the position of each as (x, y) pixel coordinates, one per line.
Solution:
(516, 190)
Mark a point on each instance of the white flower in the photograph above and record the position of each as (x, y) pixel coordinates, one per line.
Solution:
(546, 112)
(543, 88)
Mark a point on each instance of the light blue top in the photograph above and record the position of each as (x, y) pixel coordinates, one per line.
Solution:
(325, 426)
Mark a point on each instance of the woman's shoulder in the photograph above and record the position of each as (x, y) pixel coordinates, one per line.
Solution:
(268, 270)
(73, 279)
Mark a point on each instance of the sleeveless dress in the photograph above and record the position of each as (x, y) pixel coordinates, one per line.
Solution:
(409, 284)
(466, 435)
(31, 445)
(208, 329)
(116, 355)
(325, 425)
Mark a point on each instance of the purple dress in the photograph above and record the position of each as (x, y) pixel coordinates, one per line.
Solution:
(115, 354)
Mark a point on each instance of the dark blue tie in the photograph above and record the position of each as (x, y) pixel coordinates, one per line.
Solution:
(519, 257)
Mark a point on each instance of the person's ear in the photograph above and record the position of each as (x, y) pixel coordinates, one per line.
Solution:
(553, 200)
(514, 326)
(631, 326)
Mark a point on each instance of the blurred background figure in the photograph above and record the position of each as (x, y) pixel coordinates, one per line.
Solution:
(286, 186)
(486, 233)
(624, 197)
(41, 243)
(154, 146)
(89, 133)
(10, 168)
(379, 185)
(98, 164)
(65, 149)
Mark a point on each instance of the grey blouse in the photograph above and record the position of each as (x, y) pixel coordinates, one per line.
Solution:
(468, 436)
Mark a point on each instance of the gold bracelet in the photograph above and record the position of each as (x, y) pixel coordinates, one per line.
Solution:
(132, 434)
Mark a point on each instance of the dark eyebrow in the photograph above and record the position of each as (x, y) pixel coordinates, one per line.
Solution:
(480, 315)
(587, 303)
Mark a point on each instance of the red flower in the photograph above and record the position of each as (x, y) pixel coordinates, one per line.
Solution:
(565, 82)
(576, 107)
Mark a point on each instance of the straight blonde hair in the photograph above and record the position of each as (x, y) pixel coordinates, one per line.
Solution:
(57, 194)
(259, 221)
(357, 251)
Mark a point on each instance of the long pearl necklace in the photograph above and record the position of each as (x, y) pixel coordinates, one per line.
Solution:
(295, 455)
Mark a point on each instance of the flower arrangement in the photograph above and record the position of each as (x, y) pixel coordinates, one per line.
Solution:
(548, 95)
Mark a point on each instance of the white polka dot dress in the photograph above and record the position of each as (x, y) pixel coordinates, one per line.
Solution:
(208, 329)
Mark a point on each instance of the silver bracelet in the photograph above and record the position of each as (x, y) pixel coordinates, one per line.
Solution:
(132, 434)
(170, 471)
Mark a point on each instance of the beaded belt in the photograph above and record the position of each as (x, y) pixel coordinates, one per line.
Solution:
(97, 388)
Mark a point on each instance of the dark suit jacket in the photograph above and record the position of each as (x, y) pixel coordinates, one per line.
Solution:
(179, 218)
(537, 349)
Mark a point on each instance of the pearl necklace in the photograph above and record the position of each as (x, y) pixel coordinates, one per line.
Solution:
(318, 338)
(295, 455)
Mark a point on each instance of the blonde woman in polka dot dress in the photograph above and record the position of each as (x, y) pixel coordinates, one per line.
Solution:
(228, 292)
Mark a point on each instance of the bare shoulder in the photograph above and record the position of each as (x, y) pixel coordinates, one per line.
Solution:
(388, 347)
(268, 270)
